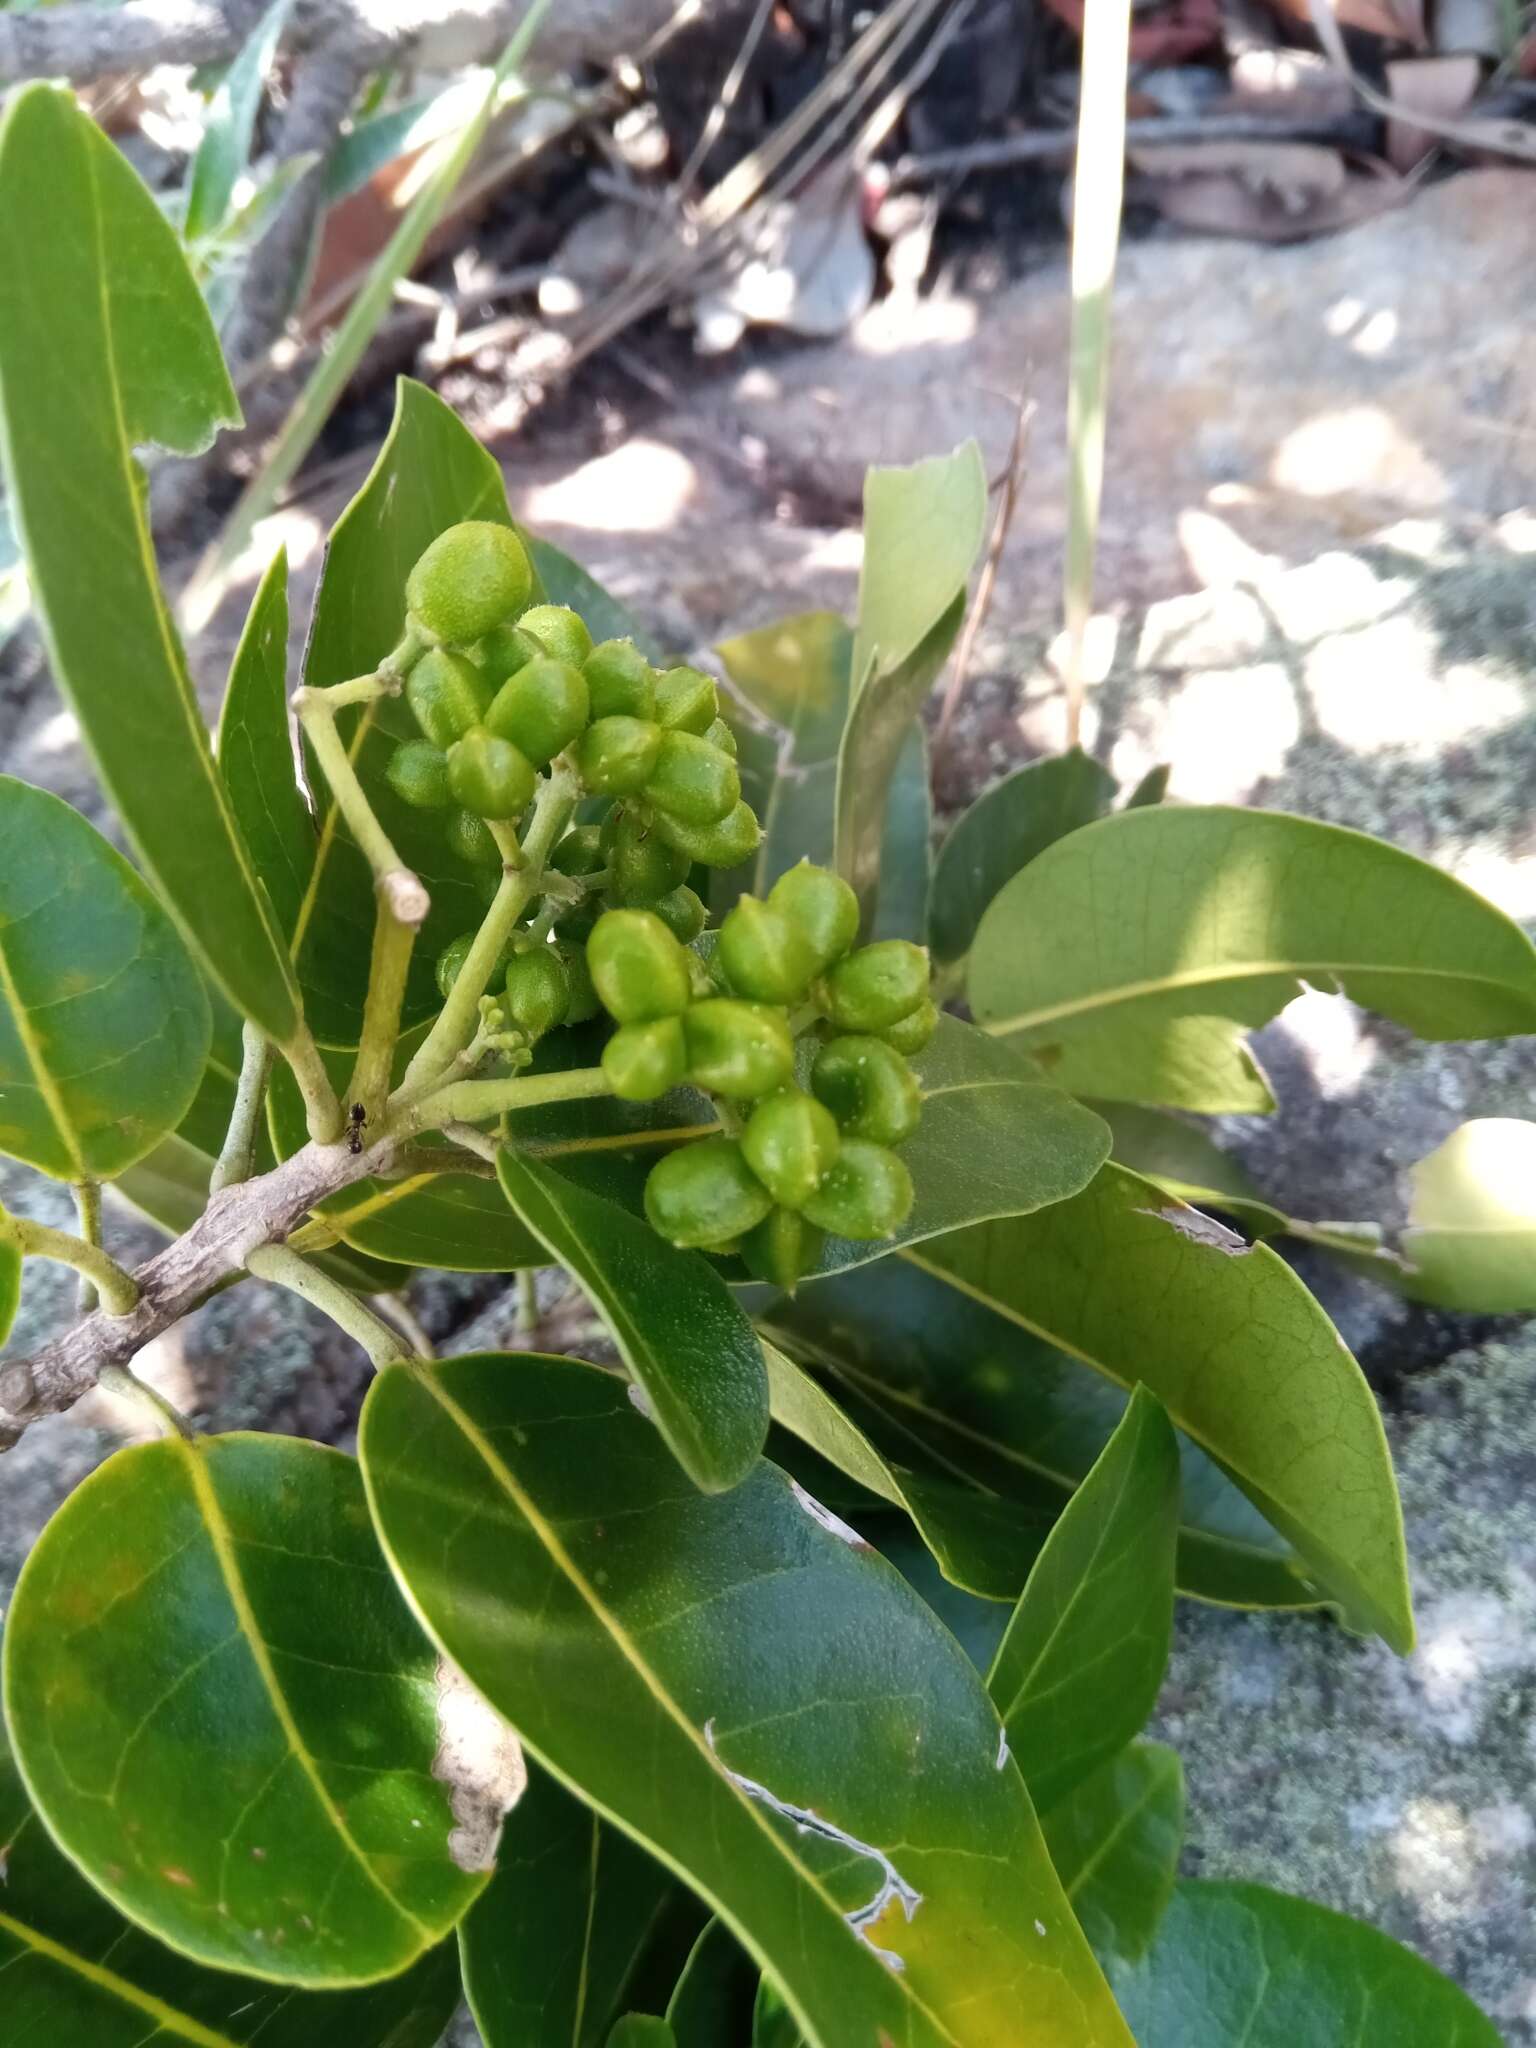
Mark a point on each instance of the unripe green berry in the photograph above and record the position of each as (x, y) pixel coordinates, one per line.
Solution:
(616, 755)
(704, 1194)
(867, 1194)
(448, 694)
(642, 1061)
(725, 844)
(450, 962)
(490, 776)
(869, 1088)
(782, 1249)
(541, 709)
(738, 1049)
(878, 985)
(638, 968)
(719, 735)
(821, 907)
(763, 955)
(472, 839)
(469, 580)
(620, 680)
(692, 780)
(686, 700)
(643, 866)
(538, 990)
(580, 852)
(790, 1143)
(583, 1005)
(418, 774)
(911, 1033)
(559, 631)
(682, 913)
(503, 651)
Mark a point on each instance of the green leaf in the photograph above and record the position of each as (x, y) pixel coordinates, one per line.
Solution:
(1185, 1162)
(1002, 832)
(1140, 1287)
(641, 2030)
(947, 1384)
(1079, 1670)
(982, 1542)
(255, 751)
(901, 896)
(1115, 1843)
(708, 2006)
(104, 1022)
(430, 473)
(105, 344)
(225, 150)
(564, 581)
(773, 2024)
(76, 1972)
(10, 1288)
(602, 1609)
(1471, 1236)
(1238, 1962)
(458, 1222)
(225, 1714)
(551, 1943)
(922, 531)
(688, 1347)
(1153, 920)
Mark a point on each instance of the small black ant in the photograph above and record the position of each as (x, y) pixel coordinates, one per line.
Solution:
(357, 1117)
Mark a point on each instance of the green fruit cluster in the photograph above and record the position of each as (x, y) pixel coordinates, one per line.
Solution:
(809, 1151)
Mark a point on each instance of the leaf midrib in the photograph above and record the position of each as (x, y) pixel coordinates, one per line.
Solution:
(1231, 971)
(165, 2016)
(629, 1650)
(43, 1079)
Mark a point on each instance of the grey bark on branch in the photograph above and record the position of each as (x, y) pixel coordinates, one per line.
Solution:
(175, 1281)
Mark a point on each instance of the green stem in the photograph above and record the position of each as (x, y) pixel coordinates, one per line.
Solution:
(456, 1020)
(387, 971)
(117, 1379)
(361, 690)
(119, 1291)
(322, 1112)
(527, 1300)
(238, 1155)
(473, 1101)
(285, 1268)
(402, 889)
(87, 1195)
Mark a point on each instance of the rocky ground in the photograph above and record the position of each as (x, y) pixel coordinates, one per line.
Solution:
(1318, 578)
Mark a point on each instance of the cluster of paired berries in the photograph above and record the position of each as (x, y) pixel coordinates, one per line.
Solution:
(805, 1159)
(504, 687)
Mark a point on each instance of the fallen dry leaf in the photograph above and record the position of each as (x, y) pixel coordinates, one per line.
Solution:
(1438, 86)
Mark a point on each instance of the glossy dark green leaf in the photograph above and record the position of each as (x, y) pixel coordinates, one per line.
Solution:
(1140, 1287)
(712, 2001)
(1002, 832)
(104, 1021)
(1115, 1843)
(1151, 789)
(901, 899)
(105, 345)
(430, 473)
(551, 1943)
(225, 1714)
(10, 1288)
(773, 2024)
(1099, 951)
(1184, 1161)
(1238, 1962)
(983, 1542)
(946, 1383)
(459, 1222)
(1079, 1670)
(553, 1550)
(255, 751)
(73, 1971)
(225, 150)
(641, 2030)
(686, 1344)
